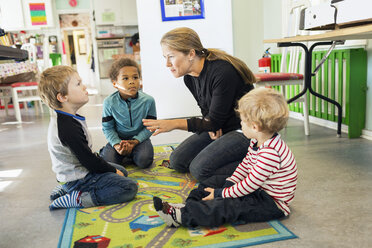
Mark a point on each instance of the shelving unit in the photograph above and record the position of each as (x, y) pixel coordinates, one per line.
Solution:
(13, 53)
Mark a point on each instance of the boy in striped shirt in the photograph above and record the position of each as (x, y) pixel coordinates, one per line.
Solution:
(262, 186)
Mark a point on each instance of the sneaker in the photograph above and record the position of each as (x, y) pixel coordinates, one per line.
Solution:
(57, 192)
(170, 214)
(71, 200)
(177, 205)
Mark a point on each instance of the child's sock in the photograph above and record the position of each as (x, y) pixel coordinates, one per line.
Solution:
(57, 192)
(71, 200)
(170, 214)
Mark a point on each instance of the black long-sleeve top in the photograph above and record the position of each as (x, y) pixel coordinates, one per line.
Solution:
(216, 90)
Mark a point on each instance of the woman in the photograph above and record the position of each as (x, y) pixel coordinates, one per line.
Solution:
(217, 80)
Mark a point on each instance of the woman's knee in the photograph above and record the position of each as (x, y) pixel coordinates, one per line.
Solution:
(198, 172)
(177, 163)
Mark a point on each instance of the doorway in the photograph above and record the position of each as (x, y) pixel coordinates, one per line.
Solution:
(77, 47)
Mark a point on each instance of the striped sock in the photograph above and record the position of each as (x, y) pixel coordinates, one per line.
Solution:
(71, 200)
(57, 192)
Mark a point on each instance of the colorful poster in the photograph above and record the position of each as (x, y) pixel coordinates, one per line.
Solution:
(38, 15)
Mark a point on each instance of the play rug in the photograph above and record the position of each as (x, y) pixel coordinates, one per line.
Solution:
(136, 224)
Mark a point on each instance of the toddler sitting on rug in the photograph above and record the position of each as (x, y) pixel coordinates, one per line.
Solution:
(86, 180)
(123, 111)
(262, 186)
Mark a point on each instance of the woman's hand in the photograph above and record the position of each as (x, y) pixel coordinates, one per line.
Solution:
(162, 126)
(215, 135)
(210, 196)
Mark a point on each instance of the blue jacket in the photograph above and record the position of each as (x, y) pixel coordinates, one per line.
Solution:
(122, 119)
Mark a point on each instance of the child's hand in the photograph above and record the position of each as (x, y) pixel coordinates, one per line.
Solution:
(119, 148)
(128, 146)
(119, 173)
(124, 148)
(210, 196)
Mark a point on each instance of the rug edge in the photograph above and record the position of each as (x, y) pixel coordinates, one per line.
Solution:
(70, 213)
(276, 224)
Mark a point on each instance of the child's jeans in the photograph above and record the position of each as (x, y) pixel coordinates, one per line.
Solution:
(104, 188)
(255, 207)
(204, 157)
(142, 154)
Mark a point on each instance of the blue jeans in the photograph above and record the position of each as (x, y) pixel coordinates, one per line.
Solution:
(104, 188)
(204, 157)
(142, 154)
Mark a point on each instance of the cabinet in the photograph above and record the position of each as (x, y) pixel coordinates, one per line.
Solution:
(11, 15)
(115, 12)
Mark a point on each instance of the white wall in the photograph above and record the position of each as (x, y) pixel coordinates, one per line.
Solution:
(248, 27)
(253, 22)
(369, 87)
(171, 95)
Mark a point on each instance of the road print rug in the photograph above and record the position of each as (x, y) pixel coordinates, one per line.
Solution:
(137, 225)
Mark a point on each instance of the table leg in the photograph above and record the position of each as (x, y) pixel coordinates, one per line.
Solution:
(307, 78)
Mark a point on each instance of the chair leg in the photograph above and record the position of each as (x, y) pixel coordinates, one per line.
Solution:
(41, 107)
(51, 112)
(6, 108)
(17, 110)
(306, 115)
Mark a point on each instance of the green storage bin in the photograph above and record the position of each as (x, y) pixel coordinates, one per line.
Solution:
(56, 58)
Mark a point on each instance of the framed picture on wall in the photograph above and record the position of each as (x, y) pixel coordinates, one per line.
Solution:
(38, 13)
(82, 45)
(173, 10)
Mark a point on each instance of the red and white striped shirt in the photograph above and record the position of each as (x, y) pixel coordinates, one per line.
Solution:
(271, 167)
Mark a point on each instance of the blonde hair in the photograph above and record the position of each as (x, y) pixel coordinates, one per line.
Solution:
(120, 63)
(266, 107)
(185, 39)
(55, 80)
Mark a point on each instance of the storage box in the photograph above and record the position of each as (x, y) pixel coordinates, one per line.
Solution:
(348, 12)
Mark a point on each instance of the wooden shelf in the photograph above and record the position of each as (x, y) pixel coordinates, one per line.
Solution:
(13, 53)
(351, 33)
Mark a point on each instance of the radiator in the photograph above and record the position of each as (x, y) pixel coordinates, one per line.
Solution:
(343, 78)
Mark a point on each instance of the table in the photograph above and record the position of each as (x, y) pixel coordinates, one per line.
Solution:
(332, 38)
